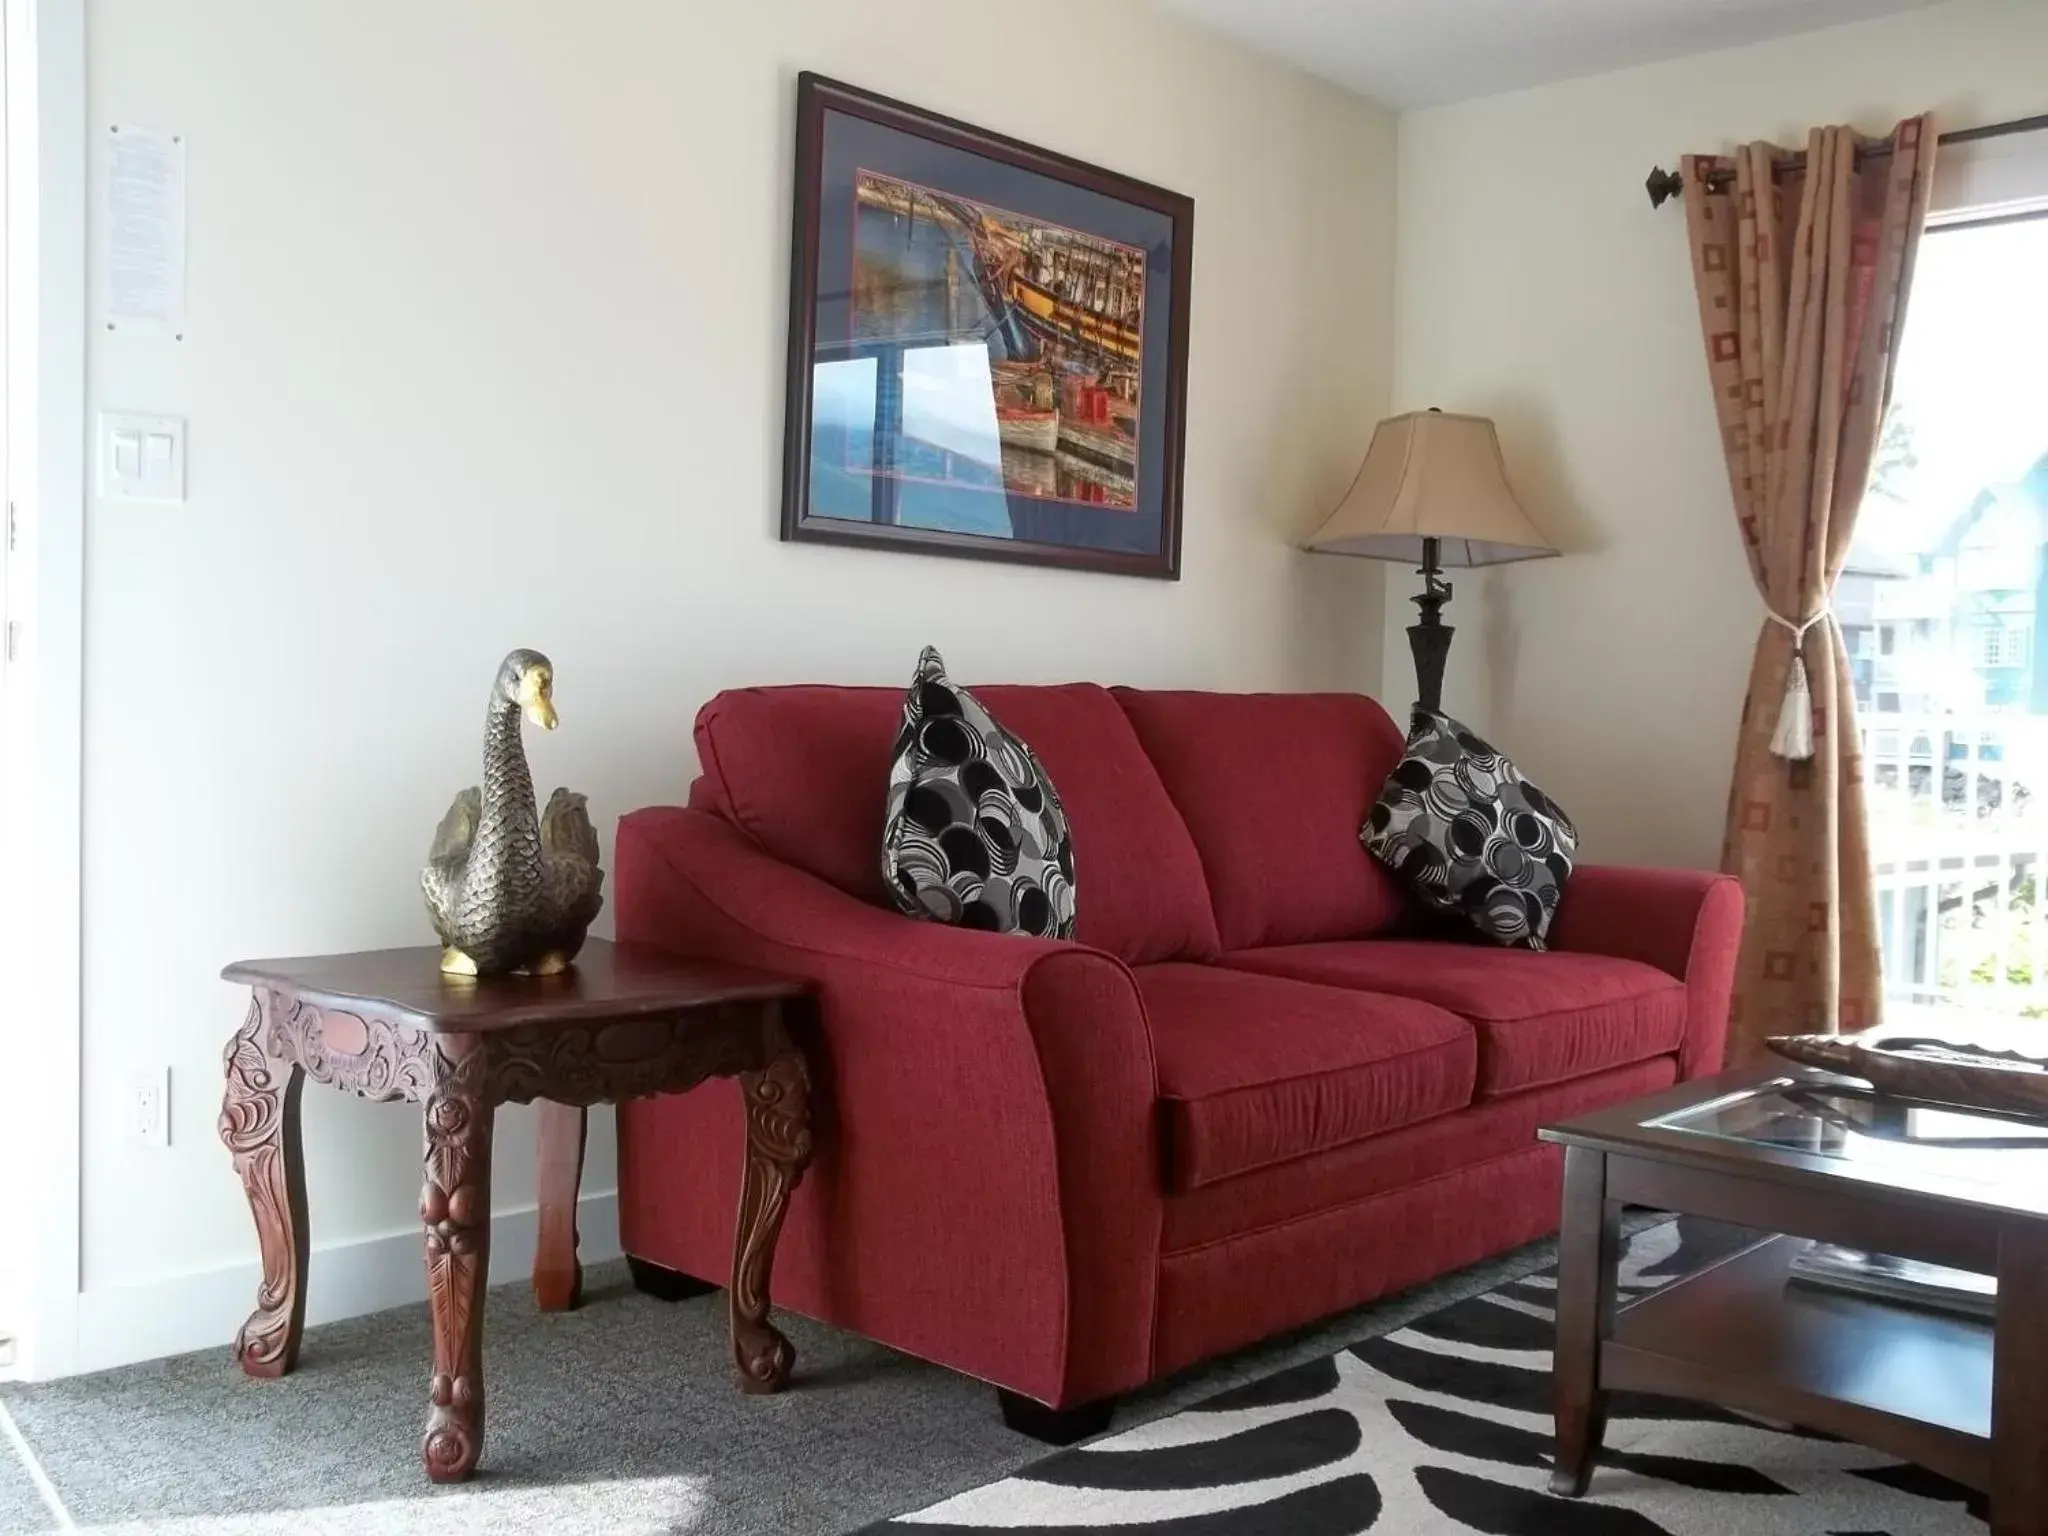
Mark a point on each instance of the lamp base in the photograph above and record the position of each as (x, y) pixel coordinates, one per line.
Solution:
(1429, 637)
(1431, 644)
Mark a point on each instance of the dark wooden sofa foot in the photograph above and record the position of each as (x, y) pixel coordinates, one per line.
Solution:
(1055, 1426)
(665, 1284)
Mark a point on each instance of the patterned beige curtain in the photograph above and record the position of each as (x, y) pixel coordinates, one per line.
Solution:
(1803, 279)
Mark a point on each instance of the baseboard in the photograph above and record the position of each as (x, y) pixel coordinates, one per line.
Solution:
(119, 1325)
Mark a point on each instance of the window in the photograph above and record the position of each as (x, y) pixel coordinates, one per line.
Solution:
(1951, 558)
(2004, 646)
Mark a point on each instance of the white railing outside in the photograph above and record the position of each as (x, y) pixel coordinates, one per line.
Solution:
(1959, 838)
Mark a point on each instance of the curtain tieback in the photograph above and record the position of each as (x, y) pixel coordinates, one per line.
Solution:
(1793, 739)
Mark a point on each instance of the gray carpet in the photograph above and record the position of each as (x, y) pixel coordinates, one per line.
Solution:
(620, 1417)
(21, 1507)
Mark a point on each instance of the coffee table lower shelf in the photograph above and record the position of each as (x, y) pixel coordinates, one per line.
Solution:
(1912, 1383)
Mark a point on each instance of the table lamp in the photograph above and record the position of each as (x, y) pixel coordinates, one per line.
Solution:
(1432, 491)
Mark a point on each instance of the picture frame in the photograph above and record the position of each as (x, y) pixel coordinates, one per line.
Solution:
(987, 344)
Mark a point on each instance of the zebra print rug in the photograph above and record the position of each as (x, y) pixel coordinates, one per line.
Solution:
(1444, 1427)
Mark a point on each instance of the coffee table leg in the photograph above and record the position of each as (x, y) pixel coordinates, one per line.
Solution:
(557, 1272)
(455, 1205)
(2019, 1385)
(259, 1122)
(1588, 1252)
(778, 1150)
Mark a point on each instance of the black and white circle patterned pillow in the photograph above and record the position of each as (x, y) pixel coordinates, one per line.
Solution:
(1467, 833)
(974, 834)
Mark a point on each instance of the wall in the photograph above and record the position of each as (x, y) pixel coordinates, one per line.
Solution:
(41, 738)
(485, 348)
(1536, 285)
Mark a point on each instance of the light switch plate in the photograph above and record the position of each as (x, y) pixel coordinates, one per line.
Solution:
(142, 458)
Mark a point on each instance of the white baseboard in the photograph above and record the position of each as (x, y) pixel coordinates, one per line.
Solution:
(119, 1325)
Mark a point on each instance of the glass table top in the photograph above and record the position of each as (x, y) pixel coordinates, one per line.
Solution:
(1824, 1119)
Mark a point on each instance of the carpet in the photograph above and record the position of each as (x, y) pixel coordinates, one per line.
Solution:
(1443, 1427)
(621, 1417)
(21, 1504)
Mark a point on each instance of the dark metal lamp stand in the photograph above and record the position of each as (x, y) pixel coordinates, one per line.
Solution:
(1429, 637)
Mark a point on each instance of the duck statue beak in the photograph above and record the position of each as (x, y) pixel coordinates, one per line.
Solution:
(537, 696)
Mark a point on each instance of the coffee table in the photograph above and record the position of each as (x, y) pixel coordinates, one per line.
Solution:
(1808, 1155)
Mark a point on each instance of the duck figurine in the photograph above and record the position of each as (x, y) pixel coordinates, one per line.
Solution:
(510, 891)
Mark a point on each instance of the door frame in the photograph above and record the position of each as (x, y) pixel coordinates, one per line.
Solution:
(45, 479)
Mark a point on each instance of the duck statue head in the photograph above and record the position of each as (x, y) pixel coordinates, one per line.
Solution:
(527, 679)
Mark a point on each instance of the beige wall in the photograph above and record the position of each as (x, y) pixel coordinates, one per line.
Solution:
(486, 348)
(1536, 285)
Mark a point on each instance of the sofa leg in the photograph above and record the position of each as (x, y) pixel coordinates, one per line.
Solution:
(665, 1284)
(1054, 1426)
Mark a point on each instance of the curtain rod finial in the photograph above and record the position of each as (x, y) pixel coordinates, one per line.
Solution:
(1663, 185)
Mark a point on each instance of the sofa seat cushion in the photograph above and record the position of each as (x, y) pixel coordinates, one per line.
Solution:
(1257, 1070)
(1541, 1018)
(1489, 1131)
(804, 772)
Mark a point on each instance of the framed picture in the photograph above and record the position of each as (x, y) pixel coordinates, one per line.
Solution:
(987, 344)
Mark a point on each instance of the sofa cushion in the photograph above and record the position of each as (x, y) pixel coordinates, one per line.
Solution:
(1257, 1070)
(973, 834)
(1462, 829)
(1488, 1131)
(804, 771)
(1274, 787)
(1541, 1018)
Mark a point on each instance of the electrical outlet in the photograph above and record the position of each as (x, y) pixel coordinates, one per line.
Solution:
(149, 1107)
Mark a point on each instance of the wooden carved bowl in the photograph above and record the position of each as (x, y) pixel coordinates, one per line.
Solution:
(2007, 1078)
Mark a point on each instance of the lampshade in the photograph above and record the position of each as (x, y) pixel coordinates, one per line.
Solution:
(1433, 475)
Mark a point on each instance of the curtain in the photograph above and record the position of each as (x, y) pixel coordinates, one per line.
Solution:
(1803, 277)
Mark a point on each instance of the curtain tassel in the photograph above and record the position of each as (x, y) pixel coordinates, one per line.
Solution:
(1793, 739)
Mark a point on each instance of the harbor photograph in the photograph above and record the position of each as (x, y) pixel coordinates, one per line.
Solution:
(1016, 348)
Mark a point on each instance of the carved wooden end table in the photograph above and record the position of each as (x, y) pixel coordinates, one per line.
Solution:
(625, 1022)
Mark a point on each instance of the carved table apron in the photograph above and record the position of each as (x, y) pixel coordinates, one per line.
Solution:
(458, 1078)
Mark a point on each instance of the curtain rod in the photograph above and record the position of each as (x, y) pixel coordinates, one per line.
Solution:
(1664, 185)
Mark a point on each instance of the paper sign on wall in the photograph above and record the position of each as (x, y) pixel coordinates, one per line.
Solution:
(143, 213)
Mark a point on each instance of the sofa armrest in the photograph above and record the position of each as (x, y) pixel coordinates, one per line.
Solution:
(782, 905)
(1687, 923)
(1000, 1090)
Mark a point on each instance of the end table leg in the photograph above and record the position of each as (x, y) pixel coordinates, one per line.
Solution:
(1589, 1250)
(557, 1272)
(2019, 1385)
(455, 1205)
(259, 1122)
(778, 1150)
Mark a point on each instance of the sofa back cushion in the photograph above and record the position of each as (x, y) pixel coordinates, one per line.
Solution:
(804, 771)
(1274, 787)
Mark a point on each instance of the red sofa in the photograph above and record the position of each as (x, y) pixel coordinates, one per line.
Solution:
(1259, 1088)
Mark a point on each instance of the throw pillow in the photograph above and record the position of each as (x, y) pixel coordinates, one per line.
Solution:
(974, 834)
(1467, 833)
